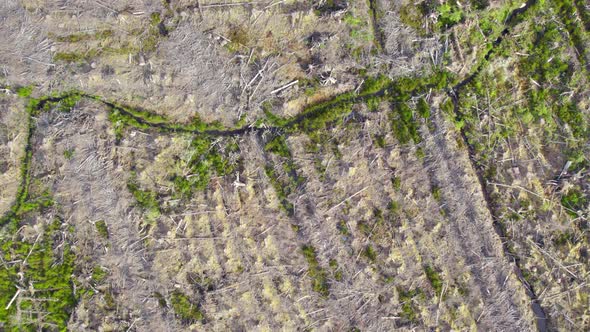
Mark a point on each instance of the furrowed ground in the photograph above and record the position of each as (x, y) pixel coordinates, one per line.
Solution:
(294, 165)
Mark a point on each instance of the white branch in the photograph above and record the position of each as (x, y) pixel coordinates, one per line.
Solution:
(13, 298)
(284, 87)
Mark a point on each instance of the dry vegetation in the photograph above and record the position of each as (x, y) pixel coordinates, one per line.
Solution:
(294, 165)
(13, 135)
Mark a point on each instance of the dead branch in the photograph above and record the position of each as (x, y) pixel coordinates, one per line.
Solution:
(553, 258)
(233, 4)
(346, 199)
(284, 87)
(13, 298)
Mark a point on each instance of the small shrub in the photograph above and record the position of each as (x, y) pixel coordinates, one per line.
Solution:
(364, 227)
(575, 201)
(239, 38)
(278, 145)
(161, 300)
(380, 141)
(342, 228)
(109, 299)
(370, 253)
(408, 308)
(413, 16)
(396, 182)
(448, 106)
(352, 20)
(420, 154)
(423, 108)
(375, 84)
(147, 200)
(98, 275)
(450, 14)
(102, 229)
(205, 161)
(403, 124)
(184, 308)
(436, 193)
(563, 239)
(24, 91)
(336, 269)
(329, 6)
(69, 154)
(393, 208)
(434, 278)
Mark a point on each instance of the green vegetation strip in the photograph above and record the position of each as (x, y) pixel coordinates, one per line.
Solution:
(319, 277)
(312, 121)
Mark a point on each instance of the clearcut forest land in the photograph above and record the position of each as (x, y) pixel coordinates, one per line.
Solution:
(285, 165)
